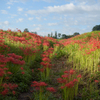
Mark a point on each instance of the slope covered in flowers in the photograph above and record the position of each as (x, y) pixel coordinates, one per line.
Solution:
(27, 59)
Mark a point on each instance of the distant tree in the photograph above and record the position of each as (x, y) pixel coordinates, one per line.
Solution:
(64, 36)
(34, 32)
(56, 34)
(26, 30)
(76, 33)
(51, 34)
(59, 34)
(96, 28)
(48, 35)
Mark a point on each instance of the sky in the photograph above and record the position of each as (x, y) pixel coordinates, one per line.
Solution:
(46, 16)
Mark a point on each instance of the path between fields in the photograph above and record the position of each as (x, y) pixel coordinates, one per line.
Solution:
(60, 65)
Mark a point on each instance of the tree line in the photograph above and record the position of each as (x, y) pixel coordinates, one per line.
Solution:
(64, 36)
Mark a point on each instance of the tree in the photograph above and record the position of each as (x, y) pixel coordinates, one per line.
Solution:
(96, 28)
(51, 34)
(76, 33)
(48, 35)
(59, 34)
(26, 30)
(64, 36)
(34, 32)
(56, 34)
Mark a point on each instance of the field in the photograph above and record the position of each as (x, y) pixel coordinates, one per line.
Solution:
(42, 68)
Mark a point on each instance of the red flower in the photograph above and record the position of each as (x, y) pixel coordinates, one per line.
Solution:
(62, 87)
(42, 84)
(96, 81)
(21, 68)
(23, 72)
(51, 89)
(9, 73)
(4, 92)
(71, 71)
(32, 70)
(79, 76)
(70, 84)
(13, 92)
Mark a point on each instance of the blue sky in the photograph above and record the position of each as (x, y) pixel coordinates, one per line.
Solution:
(46, 16)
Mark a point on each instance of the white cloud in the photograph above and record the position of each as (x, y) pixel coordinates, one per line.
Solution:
(34, 24)
(20, 20)
(52, 24)
(44, 0)
(20, 9)
(30, 18)
(26, 15)
(67, 8)
(10, 2)
(4, 12)
(39, 25)
(13, 15)
(38, 18)
(8, 7)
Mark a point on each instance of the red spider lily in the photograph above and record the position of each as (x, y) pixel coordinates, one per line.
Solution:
(8, 88)
(42, 84)
(64, 76)
(71, 71)
(23, 72)
(62, 87)
(38, 84)
(79, 76)
(4, 92)
(60, 80)
(15, 56)
(75, 80)
(1, 72)
(2, 65)
(32, 70)
(21, 68)
(66, 72)
(70, 84)
(41, 69)
(51, 89)
(9, 73)
(13, 92)
(46, 59)
(96, 81)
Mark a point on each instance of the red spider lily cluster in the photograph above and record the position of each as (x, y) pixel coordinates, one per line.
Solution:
(69, 79)
(38, 85)
(46, 60)
(8, 88)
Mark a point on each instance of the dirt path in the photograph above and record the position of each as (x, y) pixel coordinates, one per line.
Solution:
(60, 65)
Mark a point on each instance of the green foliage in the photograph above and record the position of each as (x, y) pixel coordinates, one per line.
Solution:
(26, 30)
(76, 33)
(22, 87)
(96, 28)
(8, 98)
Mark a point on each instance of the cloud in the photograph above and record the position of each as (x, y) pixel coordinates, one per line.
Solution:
(44, 0)
(20, 9)
(54, 9)
(13, 15)
(52, 24)
(20, 20)
(67, 9)
(39, 25)
(38, 18)
(30, 18)
(8, 7)
(5, 23)
(10, 2)
(4, 12)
